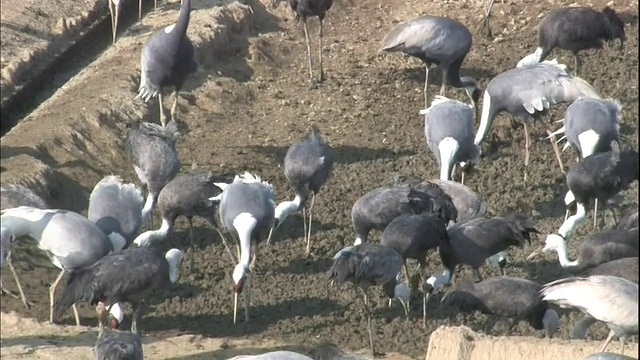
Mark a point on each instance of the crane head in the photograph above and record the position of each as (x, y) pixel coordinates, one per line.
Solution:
(116, 315)
(239, 276)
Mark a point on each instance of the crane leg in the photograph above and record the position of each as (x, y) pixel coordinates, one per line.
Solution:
(308, 235)
(191, 245)
(114, 24)
(476, 272)
(595, 214)
(25, 301)
(577, 63)
(226, 245)
(247, 297)
(52, 291)
(139, 9)
(367, 314)
(485, 21)
(163, 121)
(552, 138)
(527, 145)
(606, 342)
(426, 82)
(308, 43)
(304, 221)
(155, 4)
(174, 107)
(76, 314)
(622, 341)
(134, 318)
(321, 75)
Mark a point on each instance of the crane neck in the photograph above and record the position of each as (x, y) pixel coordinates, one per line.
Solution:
(453, 74)
(183, 19)
(244, 225)
(563, 257)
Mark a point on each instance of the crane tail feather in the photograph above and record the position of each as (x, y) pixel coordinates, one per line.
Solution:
(79, 287)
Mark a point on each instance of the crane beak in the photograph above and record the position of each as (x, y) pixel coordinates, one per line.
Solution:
(534, 254)
(235, 306)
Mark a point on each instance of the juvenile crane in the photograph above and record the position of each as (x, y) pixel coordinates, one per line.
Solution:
(129, 275)
(599, 176)
(307, 166)
(115, 345)
(168, 57)
(69, 239)
(529, 92)
(448, 127)
(377, 208)
(439, 41)
(152, 150)
(507, 297)
(595, 249)
(476, 240)
(304, 9)
(367, 265)
(247, 207)
(609, 299)
(575, 29)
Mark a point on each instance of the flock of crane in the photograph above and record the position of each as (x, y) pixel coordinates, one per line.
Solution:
(104, 268)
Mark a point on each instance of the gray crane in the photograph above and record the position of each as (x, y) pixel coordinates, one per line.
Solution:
(188, 195)
(575, 29)
(599, 176)
(69, 239)
(115, 345)
(247, 208)
(630, 219)
(595, 249)
(474, 241)
(152, 150)
(367, 265)
(589, 127)
(307, 166)
(12, 196)
(116, 207)
(413, 236)
(448, 127)
(129, 275)
(168, 57)
(626, 268)
(304, 9)
(435, 40)
(506, 297)
(377, 208)
(529, 92)
(609, 299)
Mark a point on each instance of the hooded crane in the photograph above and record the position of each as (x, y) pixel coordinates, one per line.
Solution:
(152, 149)
(12, 196)
(626, 268)
(377, 208)
(507, 297)
(307, 166)
(530, 92)
(115, 345)
(168, 57)
(435, 40)
(304, 9)
(448, 127)
(247, 207)
(599, 176)
(367, 265)
(575, 29)
(413, 236)
(189, 195)
(69, 239)
(129, 275)
(594, 250)
(590, 125)
(609, 299)
(476, 240)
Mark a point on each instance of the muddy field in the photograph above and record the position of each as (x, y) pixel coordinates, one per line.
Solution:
(252, 101)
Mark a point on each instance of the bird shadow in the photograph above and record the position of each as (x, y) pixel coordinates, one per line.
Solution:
(305, 266)
(435, 74)
(263, 316)
(342, 154)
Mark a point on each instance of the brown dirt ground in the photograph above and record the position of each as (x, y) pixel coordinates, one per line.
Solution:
(251, 103)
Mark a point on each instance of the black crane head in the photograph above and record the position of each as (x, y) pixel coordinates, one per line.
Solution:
(616, 25)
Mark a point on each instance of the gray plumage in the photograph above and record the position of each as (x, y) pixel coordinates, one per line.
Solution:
(609, 299)
(186, 195)
(247, 207)
(168, 57)
(152, 149)
(116, 208)
(507, 297)
(595, 249)
(307, 166)
(304, 9)
(626, 268)
(377, 208)
(608, 356)
(129, 275)
(448, 127)
(118, 345)
(529, 92)
(439, 41)
(273, 355)
(629, 220)
(599, 176)
(15, 195)
(69, 239)
(367, 265)
(575, 29)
